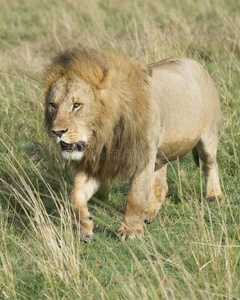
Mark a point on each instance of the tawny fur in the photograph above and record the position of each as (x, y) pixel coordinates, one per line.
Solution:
(134, 120)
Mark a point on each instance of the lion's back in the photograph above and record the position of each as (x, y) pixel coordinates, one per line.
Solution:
(183, 85)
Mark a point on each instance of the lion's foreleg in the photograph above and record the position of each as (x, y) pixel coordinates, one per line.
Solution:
(159, 191)
(132, 224)
(83, 189)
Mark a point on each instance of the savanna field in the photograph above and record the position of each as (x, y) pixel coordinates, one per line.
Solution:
(192, 249)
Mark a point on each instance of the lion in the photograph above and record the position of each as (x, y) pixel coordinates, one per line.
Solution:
(115, 118)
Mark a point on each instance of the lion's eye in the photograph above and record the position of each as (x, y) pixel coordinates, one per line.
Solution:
(52, 105)
(76, 105)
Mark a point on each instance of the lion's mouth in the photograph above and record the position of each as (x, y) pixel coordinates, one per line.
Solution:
(79, 146)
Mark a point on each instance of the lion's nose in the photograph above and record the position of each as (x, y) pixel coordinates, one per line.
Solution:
(59, 133)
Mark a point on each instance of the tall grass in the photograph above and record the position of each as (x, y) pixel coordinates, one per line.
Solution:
(191, 251)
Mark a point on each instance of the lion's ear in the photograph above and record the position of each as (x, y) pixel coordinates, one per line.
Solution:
(106, 78)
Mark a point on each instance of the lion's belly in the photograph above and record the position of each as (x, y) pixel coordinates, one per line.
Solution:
(169, 150)
(178, 138)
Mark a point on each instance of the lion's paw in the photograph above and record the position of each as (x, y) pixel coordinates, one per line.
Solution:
(213, 199)
(85, 230)
(83, 235)
(86, 237)
(124, 233)
(150, 215)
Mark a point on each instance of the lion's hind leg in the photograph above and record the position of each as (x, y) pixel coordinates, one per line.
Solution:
(158, 194)
(207, 150)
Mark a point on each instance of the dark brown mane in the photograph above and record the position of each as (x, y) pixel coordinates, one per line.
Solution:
(120, 146)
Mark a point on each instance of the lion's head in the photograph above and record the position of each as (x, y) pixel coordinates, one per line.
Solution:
(96, 107)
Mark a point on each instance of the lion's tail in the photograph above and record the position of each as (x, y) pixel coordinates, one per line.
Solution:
(196, 156)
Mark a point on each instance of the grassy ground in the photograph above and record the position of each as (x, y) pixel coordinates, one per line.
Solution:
(191, 251)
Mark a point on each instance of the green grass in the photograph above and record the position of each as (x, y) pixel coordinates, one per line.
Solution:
(192, 249)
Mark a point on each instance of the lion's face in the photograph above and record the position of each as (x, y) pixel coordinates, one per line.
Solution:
(69, 111)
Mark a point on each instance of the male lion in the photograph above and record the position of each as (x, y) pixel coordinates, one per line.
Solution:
(117, 119)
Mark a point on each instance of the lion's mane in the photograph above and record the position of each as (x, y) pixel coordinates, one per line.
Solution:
(120, 144)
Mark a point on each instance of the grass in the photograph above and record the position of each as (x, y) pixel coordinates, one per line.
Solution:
(192, 249)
